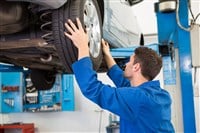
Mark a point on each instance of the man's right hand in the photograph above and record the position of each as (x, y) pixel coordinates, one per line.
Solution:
(105, 47)
(107, 55)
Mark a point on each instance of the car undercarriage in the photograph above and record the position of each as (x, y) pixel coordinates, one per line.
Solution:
(32, 35)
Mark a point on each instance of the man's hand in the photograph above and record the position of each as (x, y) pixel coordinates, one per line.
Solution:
(105, 48)
(78, 37)
(107, 55)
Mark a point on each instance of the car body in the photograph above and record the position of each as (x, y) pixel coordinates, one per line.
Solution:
(31, 33)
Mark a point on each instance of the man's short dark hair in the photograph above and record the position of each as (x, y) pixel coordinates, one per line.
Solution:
(150, 62)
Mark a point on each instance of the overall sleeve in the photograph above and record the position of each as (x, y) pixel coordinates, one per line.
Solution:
(116, 100)
(116, 75)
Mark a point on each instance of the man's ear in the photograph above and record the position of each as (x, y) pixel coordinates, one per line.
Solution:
(136, 67)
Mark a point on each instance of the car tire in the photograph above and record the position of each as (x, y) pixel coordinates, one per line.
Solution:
(89, 14)
(42, 79)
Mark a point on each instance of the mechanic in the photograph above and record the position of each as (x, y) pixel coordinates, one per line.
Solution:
(143, 106)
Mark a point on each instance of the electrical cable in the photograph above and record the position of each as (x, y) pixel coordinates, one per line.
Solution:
(193, 21)
(178, 19)
(189, 6)
(192, 14)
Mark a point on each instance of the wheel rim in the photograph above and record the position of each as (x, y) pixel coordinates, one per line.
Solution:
(92, 23)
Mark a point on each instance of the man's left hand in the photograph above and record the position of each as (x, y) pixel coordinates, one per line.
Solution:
(78, 36)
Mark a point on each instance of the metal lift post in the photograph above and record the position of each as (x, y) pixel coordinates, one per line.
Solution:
(169, 29)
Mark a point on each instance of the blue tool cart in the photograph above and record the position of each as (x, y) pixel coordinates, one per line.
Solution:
(59, 98)
(17, 93)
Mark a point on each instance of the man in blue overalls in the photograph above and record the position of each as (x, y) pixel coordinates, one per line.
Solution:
(142, 105)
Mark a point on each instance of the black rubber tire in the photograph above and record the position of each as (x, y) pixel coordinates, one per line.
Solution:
(42, 79)
(67, 52)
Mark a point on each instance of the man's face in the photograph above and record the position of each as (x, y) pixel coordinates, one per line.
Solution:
(128, 72)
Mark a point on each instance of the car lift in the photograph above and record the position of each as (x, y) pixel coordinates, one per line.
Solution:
(181, 39)
(169, 31)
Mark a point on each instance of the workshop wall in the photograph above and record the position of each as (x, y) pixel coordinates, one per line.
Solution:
(196, 9)
(195, 4)
(197, 100)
